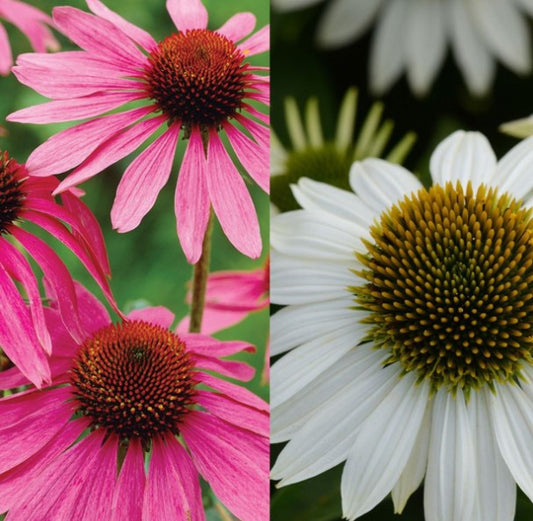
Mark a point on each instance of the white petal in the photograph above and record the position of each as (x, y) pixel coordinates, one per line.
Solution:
(382, 447)
(351, 370)
(302, 281)
(302, 365)
(475, 61)
(346, 20)
(495, 485)
(387, 52)
(463, 156)
(504, 30)
(381, 184)
(296, 325)
(413, 473)
(325, 440)
(426, 43)
(512, 421)
(520, 128)
(448, 491)
(513, 173)
(305, 234)
(278, 155)
(321, 197)
(527, 5)
(289, 5)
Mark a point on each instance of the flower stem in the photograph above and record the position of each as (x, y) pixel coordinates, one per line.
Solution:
(223, 513)
(199, 282)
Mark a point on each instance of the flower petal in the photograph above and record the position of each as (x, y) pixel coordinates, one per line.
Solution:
(187, 14)
(238, 26)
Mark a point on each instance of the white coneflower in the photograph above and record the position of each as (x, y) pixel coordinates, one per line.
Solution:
(412, 36)
(409, 329)
(314, 155)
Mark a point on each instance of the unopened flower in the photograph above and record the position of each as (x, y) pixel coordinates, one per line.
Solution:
(24, 336)
(413, 35)
(31, 22)
(196, 83)
(409, 324)
(133, 416)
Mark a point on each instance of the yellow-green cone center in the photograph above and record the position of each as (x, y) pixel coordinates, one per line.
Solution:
(450, 285)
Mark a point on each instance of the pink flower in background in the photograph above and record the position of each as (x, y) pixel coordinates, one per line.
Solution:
(195, 82)
(132, 388)
(24, 335)
(29, 20)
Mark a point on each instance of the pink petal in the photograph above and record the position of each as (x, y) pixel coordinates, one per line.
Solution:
(233, 461)
(172, 489)
(231, 201)
(254, 112)
(158, 315)
(72, 109)
(187, 14)
(235, 392)
(135, 33)
(70, 147)
(6, 58)
(128, 494)
(19, 268)
(111, 151)
(17, 334)
(232, 368)
(30, 422)
(98, 36)
(14, 484)
(235, 413)
(257, 43)
(238, 26)
(207, 346)
(254, 157)
(192, 200)
(59, 279)
(143, 180)
(214, 320)
(260, 133)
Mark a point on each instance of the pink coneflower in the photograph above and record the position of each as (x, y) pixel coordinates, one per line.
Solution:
(24, 336)
(133, 392)
(32, 22)
(196, 82)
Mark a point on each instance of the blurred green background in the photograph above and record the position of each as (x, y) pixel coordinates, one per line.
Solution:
(147, 264)
(302, 70)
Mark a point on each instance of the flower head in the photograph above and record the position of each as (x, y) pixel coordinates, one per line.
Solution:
(412, 36)
(24, 336)
(315, 156)
(196, 82)
(409, 319)
(130, 393)
(32, 22)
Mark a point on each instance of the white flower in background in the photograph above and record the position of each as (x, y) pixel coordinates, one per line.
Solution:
(412, 36)
(408, 332)
(312, 154)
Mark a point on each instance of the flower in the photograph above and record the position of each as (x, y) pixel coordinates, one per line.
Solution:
(132, 392)
(196, 82)
(329, 160)
(32, 22)
(24, 336)
(412, 35)
(408, 321)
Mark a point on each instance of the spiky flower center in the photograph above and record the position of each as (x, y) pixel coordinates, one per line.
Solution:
(449, 285)
(197, 77)
(133, 379)
(12, 177)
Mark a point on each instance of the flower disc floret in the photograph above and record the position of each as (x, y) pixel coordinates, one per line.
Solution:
(12, 177)
(197, 77)
(134, 379)
(449, 276)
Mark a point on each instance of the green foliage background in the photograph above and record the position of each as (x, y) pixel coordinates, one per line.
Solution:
(147, 264)
(301, 70)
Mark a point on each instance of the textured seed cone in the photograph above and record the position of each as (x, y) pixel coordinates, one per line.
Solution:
(449, 292)
(12, 176)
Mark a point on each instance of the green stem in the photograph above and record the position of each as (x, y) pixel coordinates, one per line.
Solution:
(199, 281)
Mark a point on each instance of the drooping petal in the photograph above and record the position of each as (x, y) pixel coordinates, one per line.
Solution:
(232, 368)
(257, 43)
(233, 461)
(6, 58)
(208, 346)
(170, 464)
(187, 14)
(143, 180)
(192, 199)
